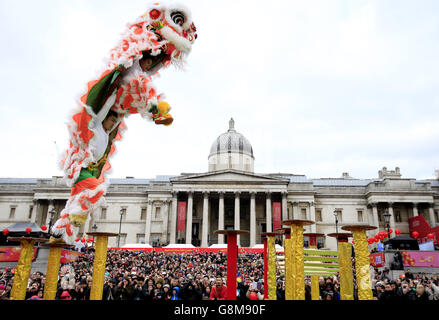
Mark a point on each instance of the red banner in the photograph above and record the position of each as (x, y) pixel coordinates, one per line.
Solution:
(69, 256)
(181, 220)
(377, 259)
(428, 259)
(313, 241)
(276, 216)
(12, 254)
(420, 225)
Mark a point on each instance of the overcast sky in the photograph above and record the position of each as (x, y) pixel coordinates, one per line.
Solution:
(317, 87)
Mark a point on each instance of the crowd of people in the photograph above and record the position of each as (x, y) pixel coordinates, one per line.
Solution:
(407, 287)
(197, 276)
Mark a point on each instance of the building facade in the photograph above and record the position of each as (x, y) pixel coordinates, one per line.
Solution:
(229, 195)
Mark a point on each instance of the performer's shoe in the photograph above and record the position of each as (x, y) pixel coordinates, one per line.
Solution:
(164, 120)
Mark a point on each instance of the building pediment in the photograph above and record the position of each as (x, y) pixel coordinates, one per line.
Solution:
(229, 176)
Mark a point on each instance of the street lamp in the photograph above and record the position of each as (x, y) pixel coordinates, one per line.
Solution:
(387, 216)
(336, 220)
(120, 226)
(52, 214)
(336, 223)
(94, 228)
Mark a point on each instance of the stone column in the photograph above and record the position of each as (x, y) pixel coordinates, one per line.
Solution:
(173, 223)
(33, 218)
(189, 217)
(284, 206)
(221, 217)
(50, 207)
(268, 210)
(252, 219)
(392, 217)
(164, 237)
(313, 216)
(148, 221)
(204, 234)
(295, 210)
(375, 214)
(368, 216)
(237, 216)
(415, 209)
(431, 214)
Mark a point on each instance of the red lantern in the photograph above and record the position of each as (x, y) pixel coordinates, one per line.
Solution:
(377, 240)
(44, 228)
(390, 231)
(381, 236)
(415, 234)
(386, 235)
(5, 231)
(28, 230)
(430, 236)
(397, 232)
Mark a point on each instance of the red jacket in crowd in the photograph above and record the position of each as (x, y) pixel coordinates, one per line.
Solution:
(219, 294)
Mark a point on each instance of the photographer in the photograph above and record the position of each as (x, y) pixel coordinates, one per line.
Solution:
(138, 289)
(432, 290)
(109, 290)
(123, 290)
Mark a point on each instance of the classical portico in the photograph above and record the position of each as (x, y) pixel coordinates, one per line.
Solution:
(227, 199)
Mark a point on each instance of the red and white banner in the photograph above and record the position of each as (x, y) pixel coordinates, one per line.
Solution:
(377, 259)
(12, 254)
(181, 220)
(277, 216)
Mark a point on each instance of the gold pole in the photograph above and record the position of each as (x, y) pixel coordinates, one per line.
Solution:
(22, 270)
(346, 275)
(293, 261)
(315, 288)
(52, 273)
(99, 262)
(289, 292)
(362, 265)
(298, 262)
(271, 268)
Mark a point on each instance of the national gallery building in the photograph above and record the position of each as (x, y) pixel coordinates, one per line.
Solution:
(188, 208)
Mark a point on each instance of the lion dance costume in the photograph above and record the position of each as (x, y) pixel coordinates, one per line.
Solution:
(164, 31)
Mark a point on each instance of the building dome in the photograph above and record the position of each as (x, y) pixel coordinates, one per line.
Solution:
(231, 150)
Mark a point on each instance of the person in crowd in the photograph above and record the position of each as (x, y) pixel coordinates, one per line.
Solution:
(219, 291)
(123, 290)
(109, 290)
(421, 294)
(432, 289)
(175, 293)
